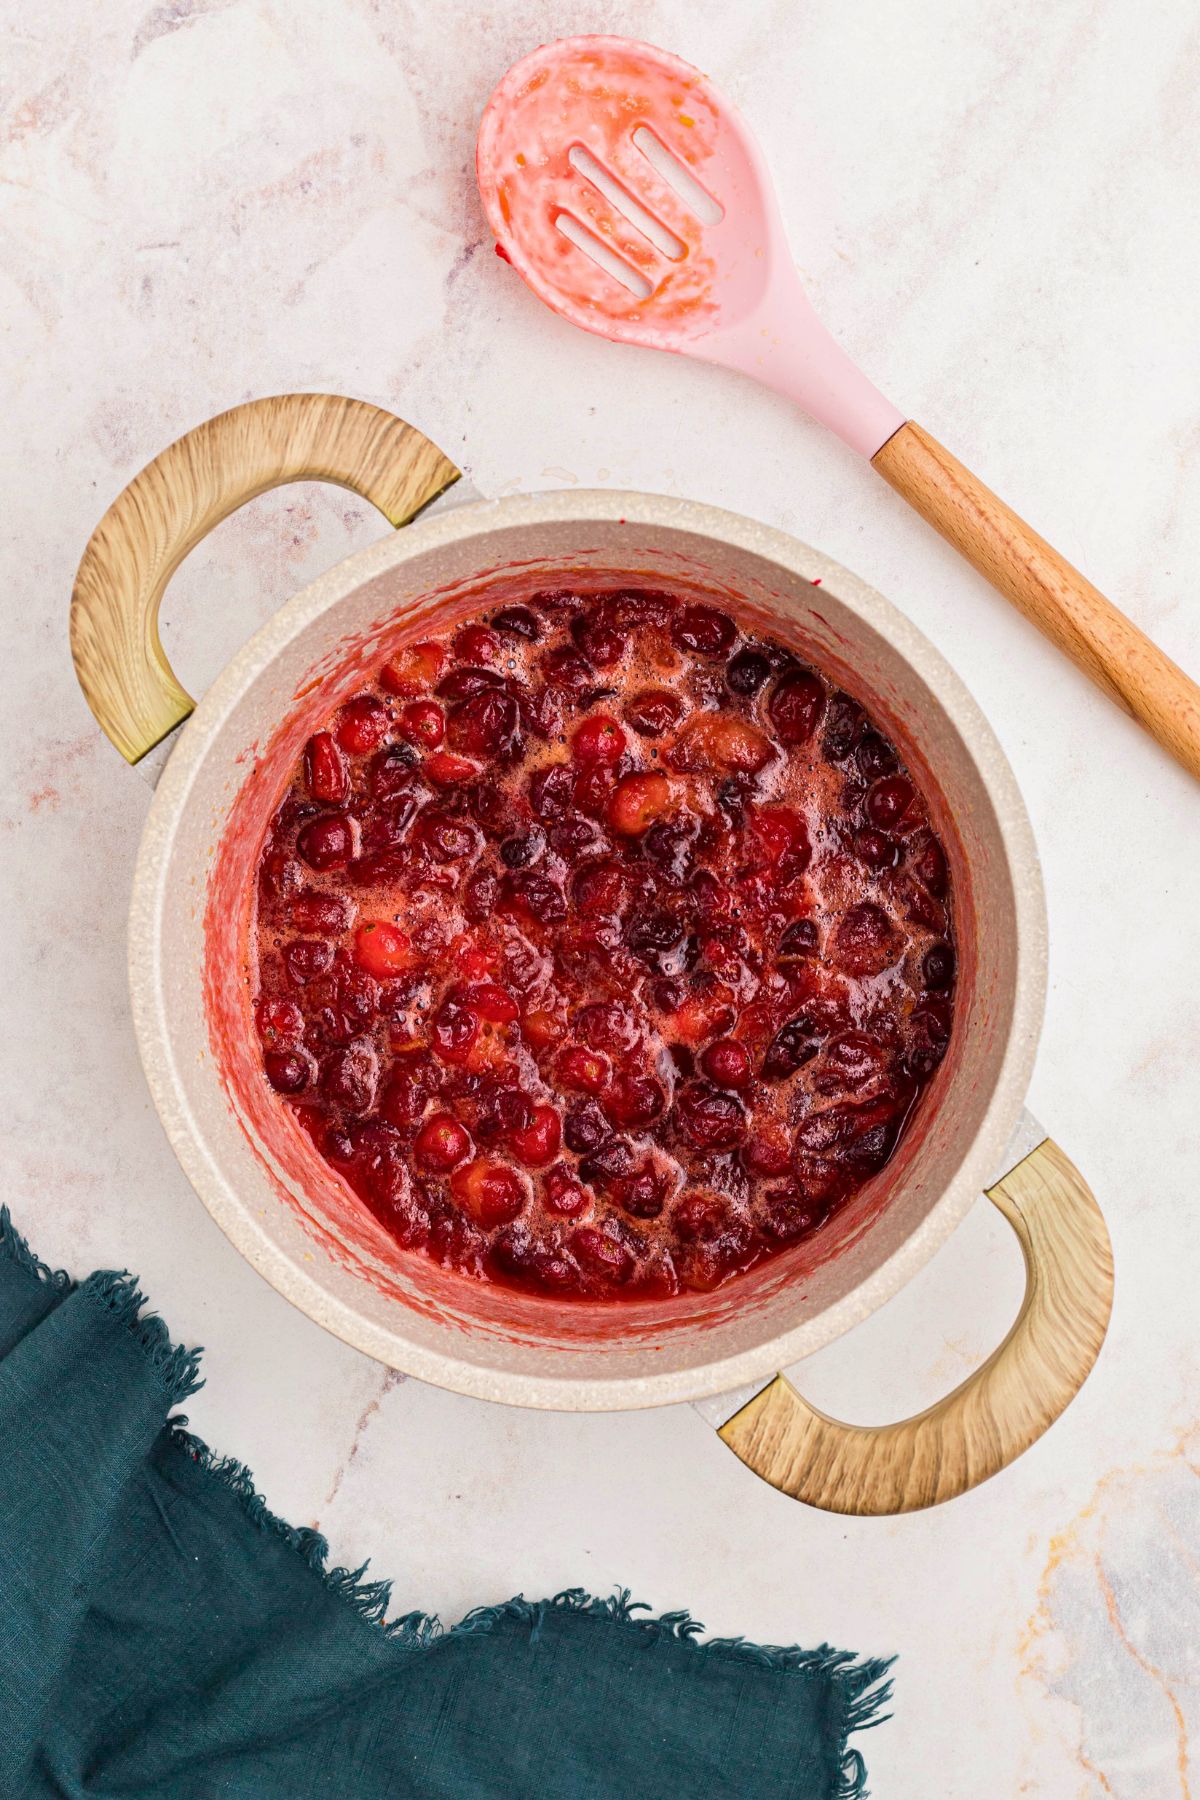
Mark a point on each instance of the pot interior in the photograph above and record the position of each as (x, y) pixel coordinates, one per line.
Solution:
(258, 1170)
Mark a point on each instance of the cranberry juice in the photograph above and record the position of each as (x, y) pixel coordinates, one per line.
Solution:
(603, 948)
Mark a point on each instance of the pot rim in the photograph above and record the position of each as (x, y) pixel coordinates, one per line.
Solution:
(293, 1279)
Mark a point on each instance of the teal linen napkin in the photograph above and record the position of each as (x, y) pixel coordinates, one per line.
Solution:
(164, 1637)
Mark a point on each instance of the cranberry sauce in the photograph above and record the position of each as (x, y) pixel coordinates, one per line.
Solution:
(602, 948)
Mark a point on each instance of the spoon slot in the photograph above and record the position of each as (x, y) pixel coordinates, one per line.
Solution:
(603, 255)
(660, 236)
(677, 175)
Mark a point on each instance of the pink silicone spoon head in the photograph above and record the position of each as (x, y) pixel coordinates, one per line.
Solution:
(570, 160)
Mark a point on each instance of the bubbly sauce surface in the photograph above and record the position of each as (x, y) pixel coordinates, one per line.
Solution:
(603, 948)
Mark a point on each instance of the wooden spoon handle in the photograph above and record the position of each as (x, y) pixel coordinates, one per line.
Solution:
(194, 484)
(998, 1411)
(1098, 638)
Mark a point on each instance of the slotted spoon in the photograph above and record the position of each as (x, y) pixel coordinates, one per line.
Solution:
(633, 200)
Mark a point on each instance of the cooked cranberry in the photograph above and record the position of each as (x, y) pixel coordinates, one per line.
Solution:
(789, 1050)
(598, 887)
(653, 711)
(727, 1063)
(518, 622)
(765, 1154)
(888, 802)
(635, 1101)
(698, 1218)
(391, 772)
(364, 724)
(586, 1128)
(279, 1021)
(350, 1077)
(865, 941)
(787, 1215)
(449, 840)
(476, 644)
(875, 756)
(550, 790)
(715, 742)
(848, 1061)
(455, 1029)
(638, 802)
(383, 949)
(486, 725)
(641, 1195)
(703, 629)
(325, 770)
(875, 850)
(488, 1000)
(711, 1118)
(574, 835)
(800, 941)
(782, 834)
(844, 723)
(937, 969)
(796, 707)
(598, 740)
(480, 894)
(423, 722)
(288, 1071)
(328, 913)
(536, 895)
(582, 1069)
(492, 1194)
(566, 668)
(327, 842)
(598, 637)
(746, 672)
(562, 1194)
(414, 669)
(518, 852)
(468, 684)
(307, 958)
(409, 1090)
(537, 1143)
(601, 1255)
(929, 1030)
(441, 1144)
(649, 934)
(928, 863)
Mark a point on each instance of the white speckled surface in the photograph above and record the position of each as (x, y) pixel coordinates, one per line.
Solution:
(995, 208)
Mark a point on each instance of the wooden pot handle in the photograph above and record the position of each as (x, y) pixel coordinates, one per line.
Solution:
(1098, 638)
(998, 1411)
(194, 484)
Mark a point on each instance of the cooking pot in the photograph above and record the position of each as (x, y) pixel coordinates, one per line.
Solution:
(257, 1171)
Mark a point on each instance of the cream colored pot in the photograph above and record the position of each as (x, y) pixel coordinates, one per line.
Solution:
(255, 1169)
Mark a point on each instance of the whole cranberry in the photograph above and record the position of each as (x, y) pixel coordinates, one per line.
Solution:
(601, 1255)
(709, 1117)
(799, 942)
(598, 887)
(888, 802)
(653, 711)
(524, 848)
(727, 1062)
(928, 863)
(598, 637)
(391, 772)
(364, 724)
(844, 725)
(796, 706)
(747, 672)
(698, 1217)
(562, 1194)
(598, 740)
(288, 1071)
(476, 644)
(537, 1143)
(517, 622)
(327, 842)
(875, 849)
(550, 790)
(635, 1101)
(790, 1048)
(586, 1128)
(423, 722)
(350, 1077)
(704, 630)
(865, 942)
(480, 894)
(937, 968)
(441, 1144)
(468, 683)
(486, 725)
(875, 756)
(305, 959)
(325, 770)
(328, 913)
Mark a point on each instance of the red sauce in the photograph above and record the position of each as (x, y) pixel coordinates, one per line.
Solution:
(602, 948)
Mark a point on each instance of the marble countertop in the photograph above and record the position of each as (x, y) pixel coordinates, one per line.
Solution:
(994, 205)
